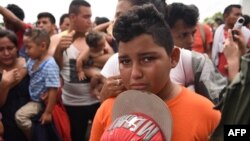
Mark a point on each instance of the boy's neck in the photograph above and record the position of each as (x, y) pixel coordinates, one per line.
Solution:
(170, 91)
(43, 57)
(39, 60)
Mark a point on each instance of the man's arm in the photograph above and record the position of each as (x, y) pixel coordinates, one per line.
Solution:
(58, 55)
(102, 27)
(61, 44)
(55, 39)
(233, 52)
(8, 15)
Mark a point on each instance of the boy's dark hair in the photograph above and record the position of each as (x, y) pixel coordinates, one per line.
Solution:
(93, 38)
(66, 15)
(160, 5)
(187, 13)
(10, 35)
(140, 20)
(47, 15)
(38, 35)
(229, 8)
(16, 10)
(76, 4)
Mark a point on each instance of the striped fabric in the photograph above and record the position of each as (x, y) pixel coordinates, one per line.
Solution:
(45, 76)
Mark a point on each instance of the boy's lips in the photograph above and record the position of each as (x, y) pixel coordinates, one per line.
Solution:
(138, 86)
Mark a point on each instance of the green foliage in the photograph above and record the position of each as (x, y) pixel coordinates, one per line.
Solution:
(217, 15)
(212, 18)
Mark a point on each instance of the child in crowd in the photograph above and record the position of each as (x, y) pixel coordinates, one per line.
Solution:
(85, 67)
(97, 47)
(146, 56)
(44, 80)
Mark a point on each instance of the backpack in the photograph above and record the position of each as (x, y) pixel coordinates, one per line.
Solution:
(61, 119)
(203, 37)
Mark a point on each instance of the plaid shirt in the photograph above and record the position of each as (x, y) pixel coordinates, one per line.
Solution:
(44, 77)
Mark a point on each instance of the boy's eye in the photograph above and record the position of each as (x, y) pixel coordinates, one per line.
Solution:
(125, 61)
(148, 59)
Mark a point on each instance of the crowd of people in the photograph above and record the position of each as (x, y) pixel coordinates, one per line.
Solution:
(150, 46)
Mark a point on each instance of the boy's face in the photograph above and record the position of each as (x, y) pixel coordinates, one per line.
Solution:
(33, 50)
(145, 65)
(183, 35)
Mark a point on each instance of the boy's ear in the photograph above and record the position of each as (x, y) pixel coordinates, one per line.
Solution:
(44, 45)
(175, 56)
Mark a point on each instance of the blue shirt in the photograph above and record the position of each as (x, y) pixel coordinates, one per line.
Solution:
(44, 77)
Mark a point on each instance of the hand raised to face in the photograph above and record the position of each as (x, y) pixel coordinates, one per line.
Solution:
(112, 87)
